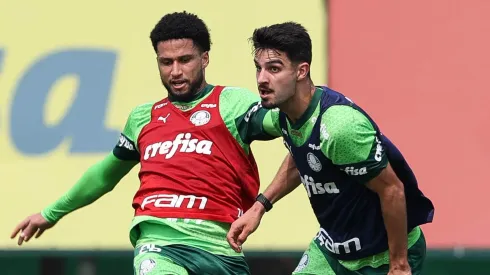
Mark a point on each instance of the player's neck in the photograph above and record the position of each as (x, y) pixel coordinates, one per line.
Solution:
(297, 105)
(201, 88)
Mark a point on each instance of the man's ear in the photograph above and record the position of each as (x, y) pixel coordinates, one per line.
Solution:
(205, 59)
(302, 71)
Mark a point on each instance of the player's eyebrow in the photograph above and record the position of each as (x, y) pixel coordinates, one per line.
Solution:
(186, 56)
(271, 62)
(274, 61)
(178, 57)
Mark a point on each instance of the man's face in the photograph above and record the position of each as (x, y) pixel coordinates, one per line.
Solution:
(276, 77)
(181, 67)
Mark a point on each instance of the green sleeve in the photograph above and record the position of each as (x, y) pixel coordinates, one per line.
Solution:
(271, 123)
(127, 146)
(350, 141)
(94, 183)
(104, 175)
(245, 118)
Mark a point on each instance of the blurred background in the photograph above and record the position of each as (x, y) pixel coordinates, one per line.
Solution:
(70, 72)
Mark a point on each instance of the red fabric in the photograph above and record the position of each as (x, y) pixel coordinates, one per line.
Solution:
(190, 171)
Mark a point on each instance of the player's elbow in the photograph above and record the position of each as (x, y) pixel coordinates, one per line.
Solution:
(110, 185)
(387, 184)
(393, 192)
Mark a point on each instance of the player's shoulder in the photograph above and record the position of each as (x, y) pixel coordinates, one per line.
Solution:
(238, 99)
(344, 122)
(236, 89)
(142, 110)
(239, 93)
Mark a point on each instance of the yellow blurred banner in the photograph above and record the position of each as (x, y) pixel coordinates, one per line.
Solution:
(70, 72)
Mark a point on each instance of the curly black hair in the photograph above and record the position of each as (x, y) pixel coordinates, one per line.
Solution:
(289, 37)
(180, 25)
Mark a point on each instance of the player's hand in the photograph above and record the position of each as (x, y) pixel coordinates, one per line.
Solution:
(244, 226)
(35, 224)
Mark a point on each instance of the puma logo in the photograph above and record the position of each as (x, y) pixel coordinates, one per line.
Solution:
(164, 119)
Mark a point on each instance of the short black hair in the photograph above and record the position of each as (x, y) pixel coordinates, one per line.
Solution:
(181, 25)
(289, 37)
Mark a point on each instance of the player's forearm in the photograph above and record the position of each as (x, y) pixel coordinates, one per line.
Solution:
(94, 183)
(286, 180)
(395, 218)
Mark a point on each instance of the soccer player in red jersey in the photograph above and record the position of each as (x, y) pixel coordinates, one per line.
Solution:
(197, 171)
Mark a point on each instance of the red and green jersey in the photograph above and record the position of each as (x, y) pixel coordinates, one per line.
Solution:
(197, 172)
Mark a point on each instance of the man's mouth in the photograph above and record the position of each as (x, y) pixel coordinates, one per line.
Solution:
(178, 84)
(264, 92)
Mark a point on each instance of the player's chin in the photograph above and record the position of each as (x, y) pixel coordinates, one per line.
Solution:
(268, 103)
(180, 94)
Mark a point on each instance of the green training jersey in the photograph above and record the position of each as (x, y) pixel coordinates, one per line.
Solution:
(338, 149)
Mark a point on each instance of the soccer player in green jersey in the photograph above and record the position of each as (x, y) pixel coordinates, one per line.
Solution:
(197, 171)
(362, 190)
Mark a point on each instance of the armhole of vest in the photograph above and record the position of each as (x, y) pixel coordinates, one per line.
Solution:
(246, 147)
(219, 89)
(150, 113)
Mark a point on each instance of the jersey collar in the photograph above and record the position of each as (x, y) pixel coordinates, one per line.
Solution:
(204, 92)
(310, 110)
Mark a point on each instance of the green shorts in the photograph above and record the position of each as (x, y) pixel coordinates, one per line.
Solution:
(150, 259)
(316, 262)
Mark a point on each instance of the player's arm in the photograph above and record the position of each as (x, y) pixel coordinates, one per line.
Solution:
(392, 197)
(350, 142)
(98, 180)
(285, 181)
(252, 121)
(101, 177)
(259, 123)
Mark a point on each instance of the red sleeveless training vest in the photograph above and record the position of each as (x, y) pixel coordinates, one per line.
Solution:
(191, 165)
